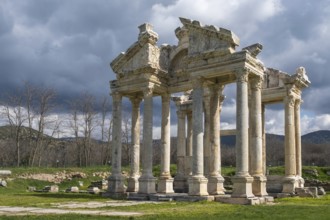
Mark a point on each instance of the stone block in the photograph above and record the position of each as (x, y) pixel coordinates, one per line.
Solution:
(147, 185)
(197, 186)
(132, 184)
(116, 184)
(73, 189)
(307, 192)
(320, 191)
(3, 183)
(242, 187)
(93, 190)
(215, 185)
(165, 185)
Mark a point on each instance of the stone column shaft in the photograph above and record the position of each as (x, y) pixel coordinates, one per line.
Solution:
(133, 183)
(188, 167)
(206, 138)
(264, 156)
(215, 183)
(147, 180)
(116, 180)
(256, 131)
(301, 181)
(298, 137)
(197, 182)
(290, 180)
(165, 184)
(290, 151)
(180, 177)
(242, 181)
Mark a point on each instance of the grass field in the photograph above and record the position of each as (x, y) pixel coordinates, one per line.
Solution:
(289, 208)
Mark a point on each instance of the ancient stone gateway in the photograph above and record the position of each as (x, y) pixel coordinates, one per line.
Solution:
(200, 66)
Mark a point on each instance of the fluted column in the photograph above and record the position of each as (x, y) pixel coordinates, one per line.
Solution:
(298, 143)
(133, 180)
(147, 181)
(165, 184)
(215, 183)
(242, 181)
(197, 182)
(290, 180)
(116, 180)
(180, 179)
(206, 138)
(264, 156)
(256, 147)
(188, 167)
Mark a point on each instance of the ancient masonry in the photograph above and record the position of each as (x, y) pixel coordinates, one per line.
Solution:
(199, 67)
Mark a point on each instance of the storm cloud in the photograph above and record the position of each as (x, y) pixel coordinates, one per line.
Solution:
(68, 45)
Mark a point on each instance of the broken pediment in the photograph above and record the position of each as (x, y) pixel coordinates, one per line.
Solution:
(205, 38)
(144, 53)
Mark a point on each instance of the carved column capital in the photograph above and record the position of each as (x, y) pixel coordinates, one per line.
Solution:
(256, 83)
(290, 100)
(116, 96)
(242, 75)
(136, 100)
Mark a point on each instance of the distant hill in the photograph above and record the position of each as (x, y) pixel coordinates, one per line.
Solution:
(317, 137)
(5, 132)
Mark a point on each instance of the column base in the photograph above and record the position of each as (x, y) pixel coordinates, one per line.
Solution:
(165, 184)
(116, 184)
(290, 183)
(133, 184)
(259, 185)
(180, 184)
(197, 186)
(147, 185)
(215, 185)
(301, 182)
(242, 187)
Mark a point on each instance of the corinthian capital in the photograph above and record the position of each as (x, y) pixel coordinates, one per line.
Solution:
(242, 75)
(256, 83)
(116, 96)
(290, 101)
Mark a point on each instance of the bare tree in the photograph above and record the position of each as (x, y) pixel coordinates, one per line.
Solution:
(16, 117)
(44, 106)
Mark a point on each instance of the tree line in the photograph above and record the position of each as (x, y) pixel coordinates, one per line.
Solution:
(31, 137)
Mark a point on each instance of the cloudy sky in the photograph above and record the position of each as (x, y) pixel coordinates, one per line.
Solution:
(68, 44)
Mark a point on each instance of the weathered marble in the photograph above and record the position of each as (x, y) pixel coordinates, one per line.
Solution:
(199, 66)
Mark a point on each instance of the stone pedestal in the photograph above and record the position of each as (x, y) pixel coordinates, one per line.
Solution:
(259, 185)
(116, 184)
(147, 185)
(290, 183)
(242, 187)
(215, 185)
(133, 184)
(197, 186)
(165, 185)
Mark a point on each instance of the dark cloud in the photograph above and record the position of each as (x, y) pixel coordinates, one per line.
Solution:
(68, 45)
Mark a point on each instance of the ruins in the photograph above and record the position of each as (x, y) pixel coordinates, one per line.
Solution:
(203, 62)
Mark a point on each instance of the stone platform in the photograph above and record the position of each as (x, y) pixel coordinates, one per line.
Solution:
(184, 197)
(245, 201)
(168, 197)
